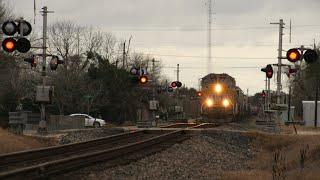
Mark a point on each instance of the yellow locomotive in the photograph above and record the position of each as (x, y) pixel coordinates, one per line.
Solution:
(221, 100)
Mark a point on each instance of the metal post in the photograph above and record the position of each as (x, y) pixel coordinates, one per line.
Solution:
(266, 99)
(153, 89)
(269, 95)
(42, 123)
(289, 104)
(316, 104)
(177, 72)
(279, 86)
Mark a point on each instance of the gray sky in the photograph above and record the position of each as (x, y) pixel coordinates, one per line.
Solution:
(174, 31)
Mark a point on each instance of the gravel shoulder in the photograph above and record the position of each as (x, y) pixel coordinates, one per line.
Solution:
(205, 156)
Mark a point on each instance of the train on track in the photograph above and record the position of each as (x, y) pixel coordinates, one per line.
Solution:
(221, 100)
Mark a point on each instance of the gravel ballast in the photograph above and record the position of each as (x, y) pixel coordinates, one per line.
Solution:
(205, 156)
(87, 135)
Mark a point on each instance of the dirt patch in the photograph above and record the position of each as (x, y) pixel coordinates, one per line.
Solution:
(11, 142)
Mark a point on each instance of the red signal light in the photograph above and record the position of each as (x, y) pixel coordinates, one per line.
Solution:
(9, 45)
(199, 94)
(174, 84)
(269, 72)
(293, 55)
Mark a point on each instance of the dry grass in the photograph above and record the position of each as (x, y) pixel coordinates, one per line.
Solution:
(291, 147)
(10, 142)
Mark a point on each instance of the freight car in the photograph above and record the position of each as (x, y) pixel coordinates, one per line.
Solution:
(222, 100)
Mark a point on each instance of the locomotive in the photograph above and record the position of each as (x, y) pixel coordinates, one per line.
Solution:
(221, 99)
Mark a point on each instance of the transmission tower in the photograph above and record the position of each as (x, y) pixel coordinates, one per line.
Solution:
(209, 65)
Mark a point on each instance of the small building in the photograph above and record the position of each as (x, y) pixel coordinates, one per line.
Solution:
(309, 113)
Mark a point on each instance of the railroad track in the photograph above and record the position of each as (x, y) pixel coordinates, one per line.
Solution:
(192, 125)
(48, 162)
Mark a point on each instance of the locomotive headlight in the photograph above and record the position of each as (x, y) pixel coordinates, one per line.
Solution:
(226, 103)
(209, 102)
(218, 88)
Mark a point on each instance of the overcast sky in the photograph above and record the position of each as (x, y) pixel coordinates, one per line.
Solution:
(175, 31)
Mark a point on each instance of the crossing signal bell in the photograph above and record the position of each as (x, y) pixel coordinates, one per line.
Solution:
(269, 71)
(19, 43)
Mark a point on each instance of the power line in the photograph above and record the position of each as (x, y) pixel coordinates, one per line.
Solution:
(216, 57)
(203, 68)
(314, 26)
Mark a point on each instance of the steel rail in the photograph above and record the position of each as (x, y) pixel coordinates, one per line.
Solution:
(11, 159)
(51, 168)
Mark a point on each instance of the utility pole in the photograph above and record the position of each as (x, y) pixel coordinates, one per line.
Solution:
(279, 86)
(153, 89)
(209, 35)
(124, 55)
(316, 104)
(42, 123)
(178, 72)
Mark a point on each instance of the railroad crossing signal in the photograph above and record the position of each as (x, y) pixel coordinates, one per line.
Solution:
(54, 62)
(19, 42)
(268, 70)
(263, 94)
(176, 84)
(294, 55)
(32, 61)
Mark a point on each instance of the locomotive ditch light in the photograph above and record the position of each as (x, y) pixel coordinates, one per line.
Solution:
(218, 88)
(226, 103)
(209, 102)
(143, 79)
(293, 55)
